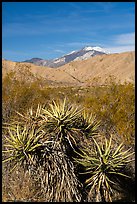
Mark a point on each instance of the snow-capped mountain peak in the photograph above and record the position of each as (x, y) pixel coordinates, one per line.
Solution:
(96, 48)
(83, 54)
(100, 49)
(87, 48)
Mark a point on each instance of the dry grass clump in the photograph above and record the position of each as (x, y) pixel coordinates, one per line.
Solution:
(18, 186)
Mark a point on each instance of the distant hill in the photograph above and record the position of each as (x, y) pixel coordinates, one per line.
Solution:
(83, 73)
(33, 60)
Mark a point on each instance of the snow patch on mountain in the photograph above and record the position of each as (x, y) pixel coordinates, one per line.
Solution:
(87, 48)
(99, 49)
(59, 60)
(96, 48)
(85, 56)
(71, 52)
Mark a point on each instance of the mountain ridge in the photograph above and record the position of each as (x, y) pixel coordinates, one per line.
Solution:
(76, 55)
(82, 73)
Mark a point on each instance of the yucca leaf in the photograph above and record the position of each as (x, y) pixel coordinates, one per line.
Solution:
(118, 173)
(34, 147)
(92, 178)
(98, 147)
(70, 137)
(19, 135)
(64, 104)
(21, 115)
(12, 136)
(99, 183)
(37, 138)
(13, 167)
(9, 150)
(110, 180)
(107, 150)
(93, 183)
(119, 148)
(10, 141)
(8, 159)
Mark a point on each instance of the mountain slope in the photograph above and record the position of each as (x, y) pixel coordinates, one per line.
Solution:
(121, 66)
(82, 54)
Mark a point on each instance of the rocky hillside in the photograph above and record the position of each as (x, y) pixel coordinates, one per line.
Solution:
(83, 73)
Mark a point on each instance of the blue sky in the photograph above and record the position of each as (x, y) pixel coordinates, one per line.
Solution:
(51, 29)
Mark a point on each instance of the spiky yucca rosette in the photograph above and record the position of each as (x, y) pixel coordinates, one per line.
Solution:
(22, 144)
(104, 166)
(68, 124)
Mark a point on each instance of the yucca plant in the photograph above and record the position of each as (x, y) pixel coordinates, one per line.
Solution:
(104, 165)
(61, 119)
(46, 140)
(21, 144)
(68, 123)
(32, 145)
(57, 173)
(67, 126)
(89, 124)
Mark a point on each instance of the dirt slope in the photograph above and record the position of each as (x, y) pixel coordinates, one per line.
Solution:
(121, 65)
